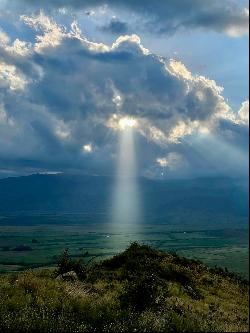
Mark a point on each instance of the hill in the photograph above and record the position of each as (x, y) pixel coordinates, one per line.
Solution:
(93, 194)
(140, 289)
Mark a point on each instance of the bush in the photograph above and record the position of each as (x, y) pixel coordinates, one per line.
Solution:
(66, 264)
(140, 293)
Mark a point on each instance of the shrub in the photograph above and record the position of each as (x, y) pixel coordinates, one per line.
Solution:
(140, 293)
(66, 264)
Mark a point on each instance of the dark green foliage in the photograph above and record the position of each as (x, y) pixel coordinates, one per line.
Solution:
(135, 258)
(140, 289)
(172, 275)
(141, 259)
(225, 273)
(66, 264)
(141, 292)
(184, 261)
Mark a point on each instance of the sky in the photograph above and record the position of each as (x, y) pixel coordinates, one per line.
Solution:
(71, 70)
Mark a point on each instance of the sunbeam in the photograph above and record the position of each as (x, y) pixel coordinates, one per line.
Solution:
(126, 203)
(221, 157)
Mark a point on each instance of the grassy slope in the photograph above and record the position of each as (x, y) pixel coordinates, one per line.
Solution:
(140, 289)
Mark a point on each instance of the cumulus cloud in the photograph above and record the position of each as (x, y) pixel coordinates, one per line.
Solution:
(244, 113)
(67, 94)
(165, 16)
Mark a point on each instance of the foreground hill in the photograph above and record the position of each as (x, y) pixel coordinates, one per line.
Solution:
(220, 197)
(140, 289)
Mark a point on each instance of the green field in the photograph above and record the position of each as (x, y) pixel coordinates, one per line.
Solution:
(225, 247)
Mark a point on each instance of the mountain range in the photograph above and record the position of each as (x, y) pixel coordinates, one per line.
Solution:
(85, 194)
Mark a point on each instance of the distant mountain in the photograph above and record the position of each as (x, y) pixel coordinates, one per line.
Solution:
(63, 193)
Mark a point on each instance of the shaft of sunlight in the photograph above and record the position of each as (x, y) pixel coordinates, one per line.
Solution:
(126, 205)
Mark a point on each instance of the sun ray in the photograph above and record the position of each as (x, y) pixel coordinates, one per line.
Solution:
(126, 201)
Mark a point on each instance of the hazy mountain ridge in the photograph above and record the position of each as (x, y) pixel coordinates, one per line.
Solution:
(63, 193)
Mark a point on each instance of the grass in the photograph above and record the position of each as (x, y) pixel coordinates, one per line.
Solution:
(214, 247)
(140, 289)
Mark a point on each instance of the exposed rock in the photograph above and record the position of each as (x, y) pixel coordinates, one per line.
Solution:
(69, 276)
(193, 292)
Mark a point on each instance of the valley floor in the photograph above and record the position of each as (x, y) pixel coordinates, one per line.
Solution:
(35, 241)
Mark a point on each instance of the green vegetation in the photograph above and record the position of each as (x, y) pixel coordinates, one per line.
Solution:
(222, 247)
(140, 289)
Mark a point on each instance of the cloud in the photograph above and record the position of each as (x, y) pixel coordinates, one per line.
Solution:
(51, 32)
(87, 148)
(244, 113)
(11, 78)
(4, 119)
(166, 166)
(115, 26)
(67, 94)
(163, 16)
(172, 161)
(4, 39)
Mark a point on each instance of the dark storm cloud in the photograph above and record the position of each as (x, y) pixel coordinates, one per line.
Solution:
(164, 16)
(60, 95)
(116, 27)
